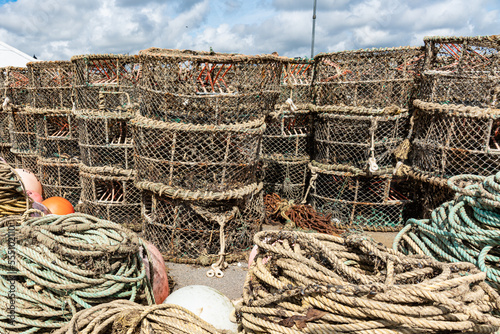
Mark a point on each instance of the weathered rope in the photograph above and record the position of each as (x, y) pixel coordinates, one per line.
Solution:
(465, 229)
(318, 283)
(63, 264)
(13, 200)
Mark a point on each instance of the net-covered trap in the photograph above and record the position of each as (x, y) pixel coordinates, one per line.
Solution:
(50, 84)
(105, 139)
(57, 134)
(287, 178)
(208, 88)
(368, 202)
(197, 157)
(455, 139)
(23, 131)
(356, 138)
(60, 178)
(110, 194)
(14, 85)
(462, 70)
(296, 80)
(199, 228)
(7, 154)
(373, 78)
(105, 81)
(27, 161)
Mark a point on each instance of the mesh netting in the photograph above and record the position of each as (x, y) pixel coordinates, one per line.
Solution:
(452, 139)
(5, 127)
(28, 161)
(462, 70)
(50, 84)
(350, 137)
(105, 82)
(7, 155)
(197, 157)
(14, 84)
(207, 88)
(183, 229)
(373, 78)
(23, 131)
(105, 139)
(286, 178)
(111, 195)
(296, 80)
(371, 203)
(57, 134)
(60, 178)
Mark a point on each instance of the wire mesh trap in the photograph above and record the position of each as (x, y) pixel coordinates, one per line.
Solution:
(51, 84)
(287, 178)
(462, 70)
(7, 155)
(28, 161)
(185, 230)
(57, 134)
(296, 80)
(105, 139)
(23, 131)
(207, 88)
(14, 84)
(60, 178)
(106, 81)
(452, 139)
(111, 195)
(374, 78)
(5, 127)
(364, 139)
(368, 202)
(197, 157)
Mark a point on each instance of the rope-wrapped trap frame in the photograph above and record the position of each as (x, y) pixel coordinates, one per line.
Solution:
(51, 84)
(207, 88)
(14, 85)
(357, 137)
(371, 202)
(287, 178)
(105, 81)
(197, 157)
(110, 194)
(455, 139)
(374, 78)
(319, 283)
(60, 178)
(200, 228)
(105, 139)
(462, 70)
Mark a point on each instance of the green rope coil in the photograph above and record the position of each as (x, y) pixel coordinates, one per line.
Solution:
(465, 229)
(63, 264)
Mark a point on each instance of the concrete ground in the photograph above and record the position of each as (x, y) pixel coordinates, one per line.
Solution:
(231, 284)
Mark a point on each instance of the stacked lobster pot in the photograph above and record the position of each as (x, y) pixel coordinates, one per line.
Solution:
(17, 127)
(286, 143)
(362, 100)
(197, 141)
(457, 117)
(106, 95)
(50, 103)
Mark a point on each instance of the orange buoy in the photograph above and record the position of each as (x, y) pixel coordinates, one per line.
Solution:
(58, 205)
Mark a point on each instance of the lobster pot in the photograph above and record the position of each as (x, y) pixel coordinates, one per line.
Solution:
(5, 127)
(462, 70)
(57, 134)
(105, 82)
(371, 203)
(373, 78)
(453, 139)
(296, 80)
(208, 88)
(105, 140)
(111, 195)
(287, 135)
(7, 155)
(50, 84)
(287, 178)
(353, 137)
(60, 178)
(189, 231)
(197, 157)
(23, 131)
(14, 85)
(28, 161)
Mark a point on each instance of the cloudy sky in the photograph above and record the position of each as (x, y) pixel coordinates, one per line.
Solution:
(58, 29)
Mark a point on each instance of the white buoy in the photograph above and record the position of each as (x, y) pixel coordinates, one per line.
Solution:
(207, 303)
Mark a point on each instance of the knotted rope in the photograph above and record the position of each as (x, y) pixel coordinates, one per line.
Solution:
(318, 283)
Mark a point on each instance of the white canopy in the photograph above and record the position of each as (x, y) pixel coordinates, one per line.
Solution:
(10, 56)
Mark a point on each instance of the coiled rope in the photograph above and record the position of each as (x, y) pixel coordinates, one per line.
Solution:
(13, 200)
(465, 229)
(319, 283)
(126, 317)
(63, 264)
